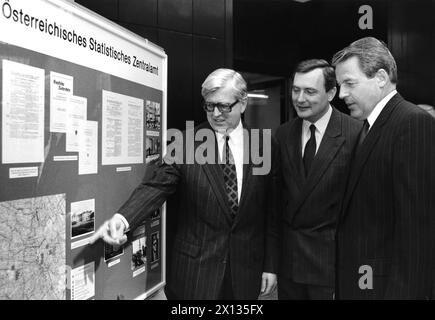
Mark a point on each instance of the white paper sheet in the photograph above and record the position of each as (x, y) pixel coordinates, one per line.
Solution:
(22, 113)
(88, 155)
(83, 282)
(65, 158)
(122, 129)
(76, 121)
(61, 87)
(25, 172)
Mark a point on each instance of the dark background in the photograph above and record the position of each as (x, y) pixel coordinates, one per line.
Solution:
(268, 37)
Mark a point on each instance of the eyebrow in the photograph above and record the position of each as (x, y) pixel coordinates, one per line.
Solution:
(346, 79)
(307, 88)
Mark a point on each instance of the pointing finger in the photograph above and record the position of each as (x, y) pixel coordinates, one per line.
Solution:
(99, 234)
(112, 229)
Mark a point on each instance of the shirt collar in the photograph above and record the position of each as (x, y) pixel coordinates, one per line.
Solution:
(320, 124)
(236, 135)
(379, 107)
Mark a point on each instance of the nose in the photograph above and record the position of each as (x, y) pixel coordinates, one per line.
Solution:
(301, 96)
(343, 92)
(216, 112)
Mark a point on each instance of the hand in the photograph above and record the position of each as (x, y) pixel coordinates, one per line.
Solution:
(268, 283)
(112, 232)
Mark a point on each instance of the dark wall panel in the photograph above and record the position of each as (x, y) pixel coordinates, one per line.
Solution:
(209, 18)
(142, 12)
(175, 15)
(106, 8)
(272, 36)
(412, 42)
(146, 32)
(178, 47)
(229, 34)
(208, 55)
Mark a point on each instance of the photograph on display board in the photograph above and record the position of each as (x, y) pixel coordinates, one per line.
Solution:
(155, 218)
(153, 115)
(82, 217)
(155, 214)
(139, 251)
(111, 252)
(155, 244)
(139, 254)
(153, 147)
(82, 223)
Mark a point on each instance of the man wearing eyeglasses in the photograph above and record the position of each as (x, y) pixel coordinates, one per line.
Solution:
(226, 237)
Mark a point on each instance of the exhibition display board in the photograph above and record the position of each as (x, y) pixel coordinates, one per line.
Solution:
(83, 111)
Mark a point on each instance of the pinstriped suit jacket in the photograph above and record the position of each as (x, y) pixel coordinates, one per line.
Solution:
(207, 238)
(312, 204)
(387, 221)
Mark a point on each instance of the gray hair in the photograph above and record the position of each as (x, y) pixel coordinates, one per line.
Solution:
(223, 77)
(372, 55)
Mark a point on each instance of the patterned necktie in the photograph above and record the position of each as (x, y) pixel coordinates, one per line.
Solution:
(230, 178)
(310, 150)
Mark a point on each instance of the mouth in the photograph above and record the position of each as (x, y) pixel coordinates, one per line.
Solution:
(303, 107)
(219, 120)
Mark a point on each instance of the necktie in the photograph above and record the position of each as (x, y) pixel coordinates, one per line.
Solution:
(310, 149)
(364, 131)
(230, 178)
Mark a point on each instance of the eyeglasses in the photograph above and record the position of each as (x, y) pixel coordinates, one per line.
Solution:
(222, 107)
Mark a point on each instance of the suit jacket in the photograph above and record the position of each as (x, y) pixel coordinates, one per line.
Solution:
(312, 204)
(207, 238)
(387, 222)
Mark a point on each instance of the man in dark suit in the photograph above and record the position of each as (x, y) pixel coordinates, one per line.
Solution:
(226, 238)
(315, 152)
(386, 230)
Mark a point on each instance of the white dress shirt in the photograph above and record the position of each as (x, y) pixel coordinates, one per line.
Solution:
(320, 124)
(378, 108)
(236, 145)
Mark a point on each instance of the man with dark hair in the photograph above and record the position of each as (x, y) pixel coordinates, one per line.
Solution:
(386, 229)
(315, 152)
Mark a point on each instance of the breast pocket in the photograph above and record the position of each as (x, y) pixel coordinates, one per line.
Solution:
(186, 248)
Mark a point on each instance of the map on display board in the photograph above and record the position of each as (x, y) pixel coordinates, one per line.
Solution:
(83, 113)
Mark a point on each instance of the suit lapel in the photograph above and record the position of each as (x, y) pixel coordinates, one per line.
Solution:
(366, 148)
(215, 177)
(330, 145)
(294, 153)
(247, 168)
(217, 184)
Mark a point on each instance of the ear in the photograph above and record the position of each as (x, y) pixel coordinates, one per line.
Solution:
(331, 93)
(382, 77)
(243, 104)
